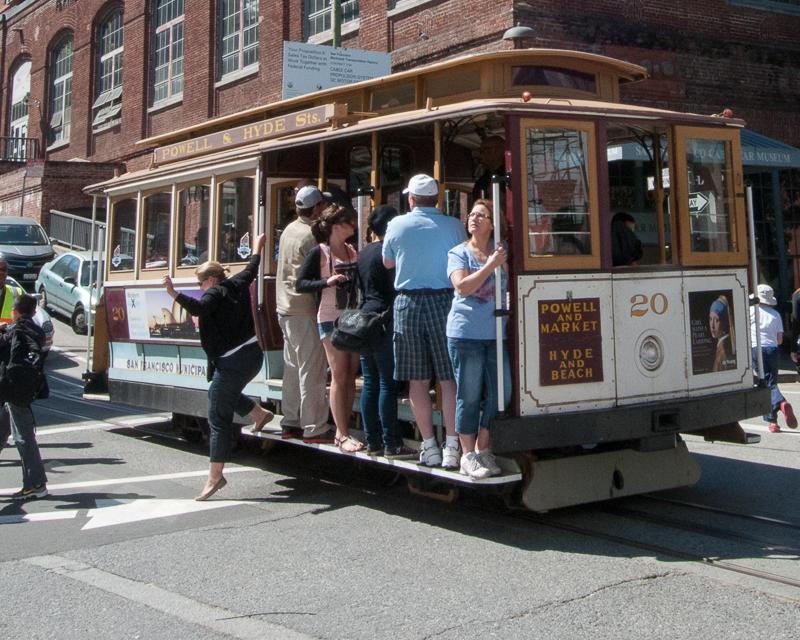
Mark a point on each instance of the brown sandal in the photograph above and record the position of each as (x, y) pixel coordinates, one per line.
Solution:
(258, 426)
(348, 444)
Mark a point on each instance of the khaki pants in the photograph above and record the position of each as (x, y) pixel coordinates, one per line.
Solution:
(303, 400)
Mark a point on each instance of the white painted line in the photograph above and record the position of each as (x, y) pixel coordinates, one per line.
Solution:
(38, 517)
(108, 482)
(133, 420)
(224, 621)
(113, 512)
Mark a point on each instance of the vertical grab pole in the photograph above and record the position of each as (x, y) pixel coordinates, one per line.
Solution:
(96, 279)
(751, 227)
(260, 215)
(498, 294)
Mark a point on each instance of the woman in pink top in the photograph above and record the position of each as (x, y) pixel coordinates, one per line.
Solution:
(330, 272)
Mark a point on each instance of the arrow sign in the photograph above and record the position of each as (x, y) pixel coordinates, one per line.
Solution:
(697, 202)
(113, 512)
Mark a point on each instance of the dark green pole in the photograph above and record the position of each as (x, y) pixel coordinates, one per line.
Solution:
(336, 22)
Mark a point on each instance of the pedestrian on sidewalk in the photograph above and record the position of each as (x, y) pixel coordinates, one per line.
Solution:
(22, 380)
(227, 335)
(770, 331)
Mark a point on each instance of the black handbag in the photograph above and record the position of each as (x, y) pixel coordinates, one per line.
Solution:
(357, 330)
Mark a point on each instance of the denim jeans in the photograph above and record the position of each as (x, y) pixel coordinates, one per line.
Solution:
(379, 396)
(475, 368)
(770, 356)
(225, 396)
(19, 420)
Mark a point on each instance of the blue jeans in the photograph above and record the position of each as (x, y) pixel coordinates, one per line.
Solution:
(475, 368)
(770, 357)
(20, 422)
(379, 396)
(225, 396)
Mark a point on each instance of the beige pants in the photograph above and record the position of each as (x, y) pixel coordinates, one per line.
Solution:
(303, 400)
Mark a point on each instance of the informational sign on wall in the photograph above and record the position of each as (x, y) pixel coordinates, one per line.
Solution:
(313, 67)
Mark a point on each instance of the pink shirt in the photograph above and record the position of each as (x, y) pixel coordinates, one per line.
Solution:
(328, 311)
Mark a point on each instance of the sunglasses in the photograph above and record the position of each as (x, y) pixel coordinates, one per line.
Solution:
(478, 215)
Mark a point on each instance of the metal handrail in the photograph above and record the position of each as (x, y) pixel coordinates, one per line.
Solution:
(14, 149)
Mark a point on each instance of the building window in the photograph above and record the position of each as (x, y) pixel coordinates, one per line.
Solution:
(107, 108)
(18, 127)
(319, 18)
(238, 35)
(168, 50)
(792, 7)
(60, 93)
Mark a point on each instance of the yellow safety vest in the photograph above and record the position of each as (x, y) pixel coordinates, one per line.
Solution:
(9, 295)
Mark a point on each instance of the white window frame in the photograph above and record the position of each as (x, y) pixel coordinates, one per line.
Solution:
(18, 126)
(173, 30)
(107, 108)
(232, 62)
(60, 95)
(318, 18)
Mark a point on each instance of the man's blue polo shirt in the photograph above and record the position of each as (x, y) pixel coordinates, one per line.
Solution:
(418, 242)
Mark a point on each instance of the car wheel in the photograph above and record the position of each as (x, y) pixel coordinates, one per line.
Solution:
(79, 320)
(43, 299)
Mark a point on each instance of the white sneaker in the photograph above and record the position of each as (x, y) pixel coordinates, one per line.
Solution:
(471, 466)
(430, 456)
(490, 462)
(450, 457)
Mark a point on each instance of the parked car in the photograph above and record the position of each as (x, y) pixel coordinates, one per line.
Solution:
(67, 285)
(42, 318)
(26, 248)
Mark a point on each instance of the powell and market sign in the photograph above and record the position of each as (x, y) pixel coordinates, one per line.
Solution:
(305, 120)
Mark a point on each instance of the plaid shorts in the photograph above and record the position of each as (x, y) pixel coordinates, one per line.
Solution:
(420, 338)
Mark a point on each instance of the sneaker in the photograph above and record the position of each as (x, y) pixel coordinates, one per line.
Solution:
(31, 493)
(471, 466)
(490, 462)
(430, 456)
(318, 434)
(400, 453)
(774, 428)
(450, 457)
(791, 419)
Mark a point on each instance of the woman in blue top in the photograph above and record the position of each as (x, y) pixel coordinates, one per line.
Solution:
(471, 336)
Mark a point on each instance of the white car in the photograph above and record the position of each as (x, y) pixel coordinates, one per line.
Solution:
(67, 285)
(41, 317)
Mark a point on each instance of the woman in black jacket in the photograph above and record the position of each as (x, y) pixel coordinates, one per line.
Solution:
(21, 382)
(227, 335)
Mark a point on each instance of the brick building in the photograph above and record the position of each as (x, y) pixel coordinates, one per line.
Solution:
(84, 80)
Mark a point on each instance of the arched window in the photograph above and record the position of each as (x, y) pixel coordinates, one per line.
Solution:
(18, 126)
(60, 92)
(167, 50)
(107, 108)
(238, 31)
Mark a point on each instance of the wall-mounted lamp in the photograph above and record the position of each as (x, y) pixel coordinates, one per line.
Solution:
(30, 102)
(515, 34)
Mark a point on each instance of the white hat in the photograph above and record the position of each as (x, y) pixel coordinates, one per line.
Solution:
(308, 197)
(766, 295)
(422, 185)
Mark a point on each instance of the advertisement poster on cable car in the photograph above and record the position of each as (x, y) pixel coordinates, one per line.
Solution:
(712, 325)
(150, 315)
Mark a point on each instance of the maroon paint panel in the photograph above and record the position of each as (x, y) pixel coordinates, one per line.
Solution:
(570, 342)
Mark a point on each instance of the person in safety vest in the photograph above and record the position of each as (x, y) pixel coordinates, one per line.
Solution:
(7, 292)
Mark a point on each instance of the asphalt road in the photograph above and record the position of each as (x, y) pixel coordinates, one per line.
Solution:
(304, 545)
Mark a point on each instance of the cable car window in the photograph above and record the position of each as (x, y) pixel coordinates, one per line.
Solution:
(558, 191)
(123, 235)
(156, 230)
(360, 161)
(554, 77)
(192, 229)
(235, 219)
(710, 195)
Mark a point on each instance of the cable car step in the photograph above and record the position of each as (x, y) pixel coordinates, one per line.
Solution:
(511, 472)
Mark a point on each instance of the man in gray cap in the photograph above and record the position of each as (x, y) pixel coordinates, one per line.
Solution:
(416, 245)
(303, 402)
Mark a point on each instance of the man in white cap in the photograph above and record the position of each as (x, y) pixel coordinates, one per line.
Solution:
(303, 402)
(416, 246)
(770, 330)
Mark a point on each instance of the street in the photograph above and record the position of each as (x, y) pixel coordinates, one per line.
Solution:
(306, 545)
